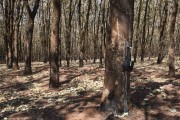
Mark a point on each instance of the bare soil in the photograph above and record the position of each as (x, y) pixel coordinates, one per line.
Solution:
(154, 95)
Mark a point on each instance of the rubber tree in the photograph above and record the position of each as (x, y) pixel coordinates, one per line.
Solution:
(116, 93)
(172, 39)
(29, 34)
(54, 45)
(9, 19)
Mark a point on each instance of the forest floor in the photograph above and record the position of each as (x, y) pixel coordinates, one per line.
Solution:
(154, 95)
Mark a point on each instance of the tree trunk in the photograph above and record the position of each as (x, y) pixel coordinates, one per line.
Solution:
(172, 39)
(43, 35)
(16, 34)
(152, 34)
(9, 12)
(81, 48)
(68, 36)
(83, 33)
(102, 32)
(29, 35)
(47, 28)
(94, 34)
(163, 23)
(54, 46)
(60, 38)
(143, 42)
(137, 39)
(116, 96)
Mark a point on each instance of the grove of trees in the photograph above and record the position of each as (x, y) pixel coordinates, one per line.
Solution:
(113, 33)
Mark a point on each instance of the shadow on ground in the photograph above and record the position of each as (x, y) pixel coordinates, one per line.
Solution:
(151, 100)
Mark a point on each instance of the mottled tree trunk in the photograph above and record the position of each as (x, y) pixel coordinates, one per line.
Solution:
(29, 34)
(95, 42)
(98, 46)
(172, 39)
(54, 45)
(163, 23)
(28, 46)
(137, 39)
(102, 31)
(81, 48)
(68, 35)
(19, 12)
(143, 41)
(60, 37)
(9, 12)
(152, 34)
(83, 33)
(43, 35)
(115, 91)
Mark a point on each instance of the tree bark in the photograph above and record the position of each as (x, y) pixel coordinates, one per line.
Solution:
(115, 93)
(29, 34)
(172, 39)
(9, 12)
(137, 39)
(102, 32)
(83, 33)
(163, 23)
(19, 12)
(68, 35)
(54, 46)
(95, 40)
(143, 42)
(152, 34)
(81, 48)
(43, 35)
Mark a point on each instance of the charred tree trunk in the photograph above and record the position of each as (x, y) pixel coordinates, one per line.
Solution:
(172, 39)
(29, 34)
(54, 45)
(116, 96)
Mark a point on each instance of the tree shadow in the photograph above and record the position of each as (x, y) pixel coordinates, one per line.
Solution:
(141, 92)
(74, 72)
(49, 113)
